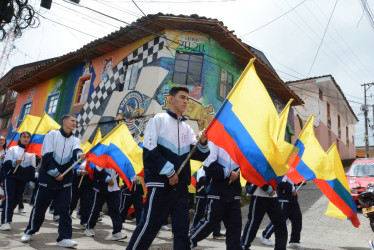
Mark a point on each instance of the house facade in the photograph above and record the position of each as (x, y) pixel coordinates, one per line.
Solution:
(127, 75)
(334, 119)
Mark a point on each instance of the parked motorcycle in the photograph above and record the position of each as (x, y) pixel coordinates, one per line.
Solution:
(366, 199)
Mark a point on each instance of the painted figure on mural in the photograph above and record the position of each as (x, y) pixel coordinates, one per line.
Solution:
(108, 63)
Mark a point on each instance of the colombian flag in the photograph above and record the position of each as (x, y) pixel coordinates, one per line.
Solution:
(308, 160)
(337, 191)
(28, 124)
(118, 151)
(247, 127)
(90, 167)
(46, 123)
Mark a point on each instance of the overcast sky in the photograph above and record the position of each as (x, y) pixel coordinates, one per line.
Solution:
(289, 40)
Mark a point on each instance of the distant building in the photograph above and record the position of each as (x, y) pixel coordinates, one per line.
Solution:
(334, 118)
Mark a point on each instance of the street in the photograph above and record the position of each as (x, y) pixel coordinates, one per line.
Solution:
(319, 231)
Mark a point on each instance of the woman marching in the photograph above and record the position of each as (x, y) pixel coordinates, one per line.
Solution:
(15, 178)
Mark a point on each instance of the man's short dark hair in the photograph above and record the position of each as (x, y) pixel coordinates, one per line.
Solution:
(67, 116)
(174, 90)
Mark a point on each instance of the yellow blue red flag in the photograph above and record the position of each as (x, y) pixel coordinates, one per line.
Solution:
(308, 160)
(246, 126)
(90, 166)
(28, 124)
(46, 123)
(119, 151)
(341, 203)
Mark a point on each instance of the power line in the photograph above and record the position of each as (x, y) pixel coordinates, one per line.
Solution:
(324, 33)
(266, 24)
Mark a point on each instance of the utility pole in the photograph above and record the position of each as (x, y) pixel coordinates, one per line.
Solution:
(365, 108)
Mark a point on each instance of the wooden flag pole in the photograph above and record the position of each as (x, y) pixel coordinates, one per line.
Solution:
(15, 170)
(70, 168)
(297, 189)
(80, 182)
(188, 157)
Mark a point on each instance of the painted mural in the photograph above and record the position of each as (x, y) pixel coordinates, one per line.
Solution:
(137, 87)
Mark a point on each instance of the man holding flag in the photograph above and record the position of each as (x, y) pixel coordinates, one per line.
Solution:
(59, 151)
(167, 142)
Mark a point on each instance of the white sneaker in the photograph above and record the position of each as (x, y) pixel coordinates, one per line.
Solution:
(165, 228)
(67, 243)
(5, 227)
(90, 232)
(56, 217)
(265, 241)
(21, 211)
(26, 238)
(118, 236)
(296, 245)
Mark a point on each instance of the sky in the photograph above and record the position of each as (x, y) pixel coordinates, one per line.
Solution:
(291, 33)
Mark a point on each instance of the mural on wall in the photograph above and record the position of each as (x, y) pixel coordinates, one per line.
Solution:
(131, 110)
(137, 87)
(93, 112)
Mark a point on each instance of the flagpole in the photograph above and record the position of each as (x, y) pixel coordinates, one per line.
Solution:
(80, 182)
(70, 168)
(15, 170)
(188, 157)
(297, 189)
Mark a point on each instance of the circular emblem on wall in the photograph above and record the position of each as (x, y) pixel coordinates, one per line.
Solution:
(131, 108)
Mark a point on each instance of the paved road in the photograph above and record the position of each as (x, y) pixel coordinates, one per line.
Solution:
(319, 231)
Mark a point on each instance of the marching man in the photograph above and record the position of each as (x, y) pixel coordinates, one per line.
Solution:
(167, 142)
(60, 150)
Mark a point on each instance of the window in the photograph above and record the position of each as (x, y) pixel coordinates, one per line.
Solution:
(51, 105)
(346, 135)
(226, 83)
(24, 111)
(328, 115)
(187, 68)
(320, 95)
(130, 77)
(13, 95)
(83, 89)
(6, 122)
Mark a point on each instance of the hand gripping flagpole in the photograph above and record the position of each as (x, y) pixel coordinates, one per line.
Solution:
(15, 170)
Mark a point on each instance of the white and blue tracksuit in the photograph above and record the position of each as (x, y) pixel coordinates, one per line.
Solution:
(291, 210)
(223, 199)
(59, 151)
(260, 204)
(167, 142)
(14, 183)
(105, 193)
